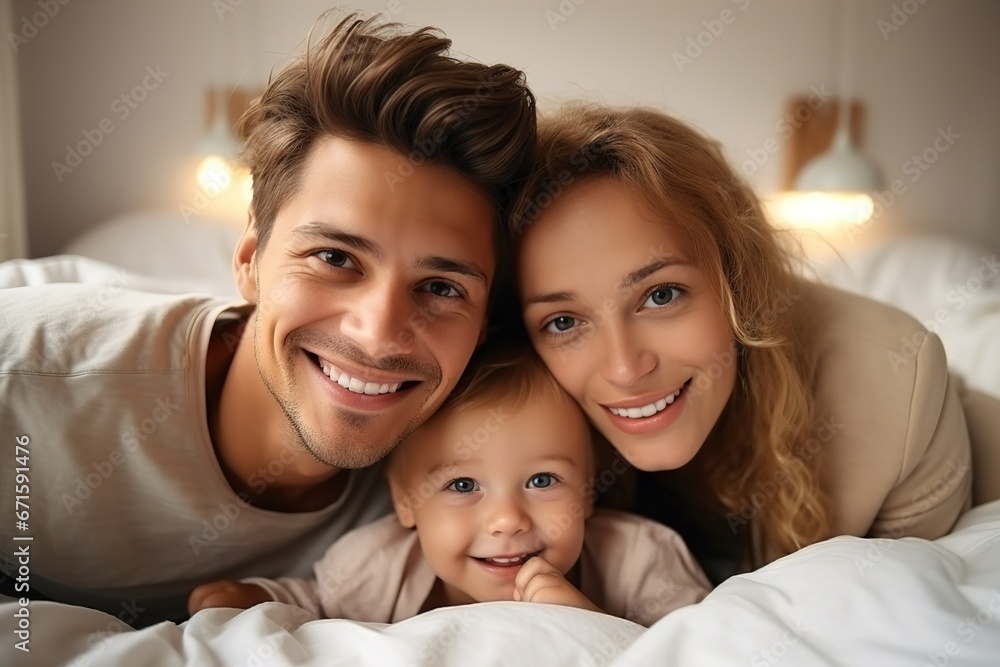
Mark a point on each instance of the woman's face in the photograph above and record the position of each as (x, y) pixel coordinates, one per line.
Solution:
(626, 322)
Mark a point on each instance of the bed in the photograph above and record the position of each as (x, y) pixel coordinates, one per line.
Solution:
(846, 601)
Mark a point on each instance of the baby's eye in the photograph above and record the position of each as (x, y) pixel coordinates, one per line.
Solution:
(542, 480)
(463, 485)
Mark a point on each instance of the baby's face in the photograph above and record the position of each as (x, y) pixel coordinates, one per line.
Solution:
(488, 488)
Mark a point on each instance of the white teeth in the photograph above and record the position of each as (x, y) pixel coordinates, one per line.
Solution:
(646, 410)
(356, 385)
(507, 561)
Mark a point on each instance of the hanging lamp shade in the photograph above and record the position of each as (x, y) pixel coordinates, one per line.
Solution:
(842, 168)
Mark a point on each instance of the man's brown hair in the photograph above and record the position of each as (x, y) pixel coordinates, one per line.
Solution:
(375, 82)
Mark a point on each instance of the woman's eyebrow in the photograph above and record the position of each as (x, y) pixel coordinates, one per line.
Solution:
(552, 297)
(644, 272)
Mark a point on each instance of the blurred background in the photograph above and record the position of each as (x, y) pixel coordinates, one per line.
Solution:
(105, 102)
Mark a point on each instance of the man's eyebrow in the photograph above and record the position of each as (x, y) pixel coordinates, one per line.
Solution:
(330, 233)
(643, 272)
(446, 265)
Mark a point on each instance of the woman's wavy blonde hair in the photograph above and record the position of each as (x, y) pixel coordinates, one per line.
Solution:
(678, 171)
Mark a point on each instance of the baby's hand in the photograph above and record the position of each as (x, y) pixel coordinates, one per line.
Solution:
(539, 581)
(226, 593)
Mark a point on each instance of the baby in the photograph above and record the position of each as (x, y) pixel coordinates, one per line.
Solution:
(493, 500)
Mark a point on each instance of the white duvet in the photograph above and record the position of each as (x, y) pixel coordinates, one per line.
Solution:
(847, 601)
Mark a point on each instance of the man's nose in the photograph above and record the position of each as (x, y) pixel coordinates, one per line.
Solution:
(381, 320)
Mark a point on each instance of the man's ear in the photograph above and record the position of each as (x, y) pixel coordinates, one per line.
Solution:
(401, 500)
(244, 262)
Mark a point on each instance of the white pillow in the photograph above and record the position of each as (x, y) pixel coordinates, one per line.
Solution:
(952, 287)
(160, 244)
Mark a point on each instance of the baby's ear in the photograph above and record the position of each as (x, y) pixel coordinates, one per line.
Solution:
(401, 500)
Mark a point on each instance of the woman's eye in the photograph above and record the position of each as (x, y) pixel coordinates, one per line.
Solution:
(463, 485)
(661, 296)
(442, 289)
(337, 258)
(560, 324)
(542, 480)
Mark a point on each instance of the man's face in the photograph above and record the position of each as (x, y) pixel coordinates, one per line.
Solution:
(371, 295)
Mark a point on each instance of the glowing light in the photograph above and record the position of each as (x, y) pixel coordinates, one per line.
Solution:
(214, 175)
(803, 210)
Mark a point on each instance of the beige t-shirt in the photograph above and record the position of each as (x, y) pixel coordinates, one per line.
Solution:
(630, 567)
(129, 509)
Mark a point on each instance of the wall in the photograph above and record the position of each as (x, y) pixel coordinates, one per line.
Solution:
(937, 71)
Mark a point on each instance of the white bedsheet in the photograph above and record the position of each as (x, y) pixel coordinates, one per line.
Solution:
(847, 601)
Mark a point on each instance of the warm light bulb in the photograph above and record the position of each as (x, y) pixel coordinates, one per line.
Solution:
(214, 175)
(820, 209)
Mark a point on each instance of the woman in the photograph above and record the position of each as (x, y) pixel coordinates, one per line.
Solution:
(764, 412)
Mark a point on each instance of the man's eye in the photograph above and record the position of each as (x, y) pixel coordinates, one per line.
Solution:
(442, 289)
(463, 485)
(560, 324)
(542, 480)
(337, 258)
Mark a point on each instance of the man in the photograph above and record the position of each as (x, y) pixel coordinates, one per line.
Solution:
(173, 440)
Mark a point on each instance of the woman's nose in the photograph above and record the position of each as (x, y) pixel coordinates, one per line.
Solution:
(626, 356)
